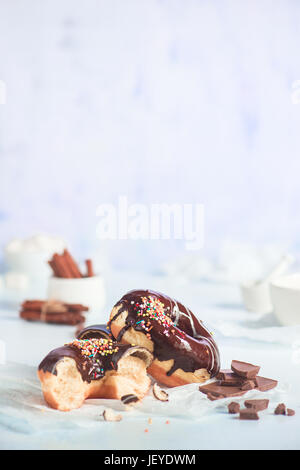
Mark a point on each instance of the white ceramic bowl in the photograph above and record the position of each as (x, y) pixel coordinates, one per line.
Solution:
(285, 297)
(256, 297)
(89, 291)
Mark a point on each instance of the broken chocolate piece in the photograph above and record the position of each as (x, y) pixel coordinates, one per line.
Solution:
(233, 407)
(159, 393)
(264, 384)
(249, 413)
(258, 405)
(244, 369)
(221, 391)
(110, 415)
(248, 385)
(213, 397)
(227, 377)
(230, 383)
(129, 399)
(290, 412)
(280, 409)
(224, 374)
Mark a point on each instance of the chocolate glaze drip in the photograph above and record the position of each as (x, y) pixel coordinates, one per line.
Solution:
(95, 331)
(189, 343)
(90, 368)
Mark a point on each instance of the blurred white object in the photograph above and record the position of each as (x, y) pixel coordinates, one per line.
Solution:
(237, 262)
(256, 295)
(89, 291)
(16, 281)
(285, 296)
(189, 267)
(242, 262)
(30, 256)
(2, 353)
(296, 352)
(281, 268)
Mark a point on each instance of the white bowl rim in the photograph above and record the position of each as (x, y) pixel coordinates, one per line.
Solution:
(75, 279)
(283, 282)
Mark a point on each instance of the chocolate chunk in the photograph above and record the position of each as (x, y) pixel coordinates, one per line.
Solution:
(280, 409)
(248, 385)
(244, 369)
(227, 377)
(213, 397)
(221, 391)
(249, 413)
(264, 384)
(290, 412)
(233, 407)
(258, 405)
(224, 373)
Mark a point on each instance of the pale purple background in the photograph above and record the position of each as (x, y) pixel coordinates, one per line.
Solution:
(162, 101)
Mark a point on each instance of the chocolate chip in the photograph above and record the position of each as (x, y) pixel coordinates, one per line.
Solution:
(290, 412)
(249, 413)
(280, 409)
(233, 407)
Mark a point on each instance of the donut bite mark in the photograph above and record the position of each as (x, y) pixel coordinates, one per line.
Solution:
(93, 368)
(184, 350)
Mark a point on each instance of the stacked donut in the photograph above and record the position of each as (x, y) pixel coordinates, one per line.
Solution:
(149, 332)
(183, 349)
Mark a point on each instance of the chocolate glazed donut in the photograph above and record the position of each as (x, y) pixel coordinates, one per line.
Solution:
(184, 350)
(93, 368)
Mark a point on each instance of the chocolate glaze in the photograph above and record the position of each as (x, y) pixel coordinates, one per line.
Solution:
(189, 343)
(90, 368)
(94, 331)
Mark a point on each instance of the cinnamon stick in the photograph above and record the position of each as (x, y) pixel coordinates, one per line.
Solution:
(61, 267)
(37, 305)
(66, 318)
(89, 268)
(71, 265)
(53, 311)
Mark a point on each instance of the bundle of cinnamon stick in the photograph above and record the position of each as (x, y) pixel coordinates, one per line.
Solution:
(53, 311)
(66, 267)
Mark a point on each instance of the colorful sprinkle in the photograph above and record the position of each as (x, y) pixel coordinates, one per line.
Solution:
(152, 308)
(92, 347)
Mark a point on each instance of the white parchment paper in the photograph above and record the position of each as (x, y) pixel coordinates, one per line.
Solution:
(23, 409)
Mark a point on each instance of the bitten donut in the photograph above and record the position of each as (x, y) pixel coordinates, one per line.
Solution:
(93, 368)
(183, 349)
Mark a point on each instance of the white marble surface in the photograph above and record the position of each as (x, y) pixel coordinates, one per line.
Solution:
(162, 101)
(27, 343)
